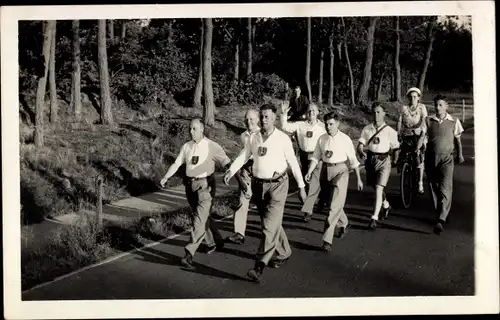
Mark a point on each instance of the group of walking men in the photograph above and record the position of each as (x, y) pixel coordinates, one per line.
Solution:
(327, 156)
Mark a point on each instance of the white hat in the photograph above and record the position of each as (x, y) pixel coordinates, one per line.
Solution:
(412, 89)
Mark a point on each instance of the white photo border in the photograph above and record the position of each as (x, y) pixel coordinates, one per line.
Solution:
(486, 299)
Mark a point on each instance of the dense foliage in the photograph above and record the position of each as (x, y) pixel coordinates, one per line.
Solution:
(155, 62)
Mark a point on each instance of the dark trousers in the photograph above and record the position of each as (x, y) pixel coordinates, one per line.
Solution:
(439, 171)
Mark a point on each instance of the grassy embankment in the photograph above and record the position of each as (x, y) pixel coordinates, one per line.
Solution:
(132, 157)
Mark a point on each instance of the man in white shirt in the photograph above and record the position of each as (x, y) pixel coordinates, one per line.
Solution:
(272, 152)
(336, 150)
(381, 140)
(244, 177)
(200, 156)
(307, 132)
(443, 134)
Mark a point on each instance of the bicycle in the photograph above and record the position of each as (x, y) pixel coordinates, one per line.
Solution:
(409, 174)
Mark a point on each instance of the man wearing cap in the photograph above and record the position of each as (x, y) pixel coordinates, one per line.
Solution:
(307, 133)
(411, 128)
(380, 140)
(244, 177)
(336, 150)
(200, 155)
(443, 133)
(272, 153)
(298, 106)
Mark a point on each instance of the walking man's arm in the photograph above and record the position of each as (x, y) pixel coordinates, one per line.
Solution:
(291, 159)
(179, 161)
(458, 141)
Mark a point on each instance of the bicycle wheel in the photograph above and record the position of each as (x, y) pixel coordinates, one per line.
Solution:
(406, 184)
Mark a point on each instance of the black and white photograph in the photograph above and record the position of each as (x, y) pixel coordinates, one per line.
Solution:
(245, 160)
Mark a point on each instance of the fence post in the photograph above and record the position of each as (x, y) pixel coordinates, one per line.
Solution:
(100, 191)
(463, 111)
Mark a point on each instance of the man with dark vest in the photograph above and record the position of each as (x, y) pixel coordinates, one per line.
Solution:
(443, 138)
(200, 155)
(298, 106)
(272, 153)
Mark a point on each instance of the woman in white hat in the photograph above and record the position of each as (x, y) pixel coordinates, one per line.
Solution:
(412, 128)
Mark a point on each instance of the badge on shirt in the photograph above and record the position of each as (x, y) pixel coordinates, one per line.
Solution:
(328, 153)
(194, 159)
(309, 134)
(262, 151)
(376, 140)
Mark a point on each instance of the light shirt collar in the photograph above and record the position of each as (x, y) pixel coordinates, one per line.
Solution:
(446, 117)
(199, 142)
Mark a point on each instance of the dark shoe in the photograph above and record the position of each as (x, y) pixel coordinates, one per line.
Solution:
(215, 247)
(187, 262)
(307, 217)
(327, 247)
(320, 207)
(256, 273)
(342, 232)
(373, 224)
(236, 238)
(385, 212)
(438, 228)
(276, 263)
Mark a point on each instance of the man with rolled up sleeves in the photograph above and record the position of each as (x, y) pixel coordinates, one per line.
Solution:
(272, 153)
(336, 150)
(200, 155)
(307, 132)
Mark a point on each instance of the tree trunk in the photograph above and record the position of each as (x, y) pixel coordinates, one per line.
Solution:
(351, 76)
(379, 87)
(332, 61)
(170, 30)
(106, 115)
(321, 66)
(236, 58)
(249, 47)
(52, 76)
(367, 73)
(209, 110)
(199, 83)
(254, 27)
(111, 29)
(397, 67)
(76, 75)
(308, 59)
(123, 29)
(427, 61)
(48, 26)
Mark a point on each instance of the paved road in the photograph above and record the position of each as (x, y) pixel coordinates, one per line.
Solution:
(402, 257)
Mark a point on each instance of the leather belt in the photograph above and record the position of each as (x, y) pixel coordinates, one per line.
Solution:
(189, 179)
(333, 164)
(277, 179)
(381, 156)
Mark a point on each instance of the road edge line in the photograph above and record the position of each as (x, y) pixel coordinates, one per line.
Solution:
(119, 255)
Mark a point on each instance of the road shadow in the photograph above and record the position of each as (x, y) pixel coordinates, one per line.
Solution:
(303, 246)
(156, 256)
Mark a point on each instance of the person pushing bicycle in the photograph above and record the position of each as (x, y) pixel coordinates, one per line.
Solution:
(411, 130)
